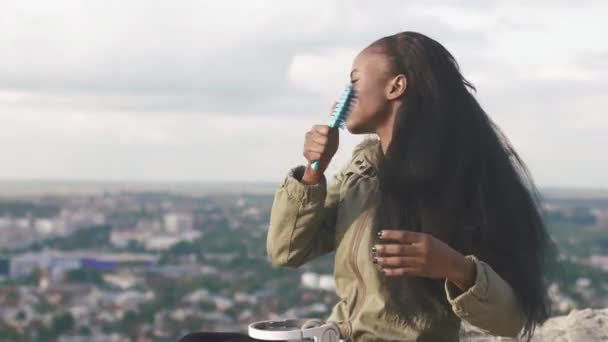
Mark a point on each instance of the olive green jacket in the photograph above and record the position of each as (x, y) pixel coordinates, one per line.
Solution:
(308, 221)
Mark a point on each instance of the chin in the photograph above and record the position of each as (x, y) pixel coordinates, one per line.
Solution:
(356, 128)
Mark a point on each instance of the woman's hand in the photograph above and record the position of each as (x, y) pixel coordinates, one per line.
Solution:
(320, 144)
(422, 255)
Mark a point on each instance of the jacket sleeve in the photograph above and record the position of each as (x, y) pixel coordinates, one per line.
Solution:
(303, 219)
(490, 304)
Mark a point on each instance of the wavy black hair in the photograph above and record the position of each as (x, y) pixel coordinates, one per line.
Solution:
(451, 172)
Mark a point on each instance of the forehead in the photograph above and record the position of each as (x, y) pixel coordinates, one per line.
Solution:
(371, 59)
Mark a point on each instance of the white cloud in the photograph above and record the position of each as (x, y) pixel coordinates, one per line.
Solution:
(198, 89)
(324, 72)
(156, 147)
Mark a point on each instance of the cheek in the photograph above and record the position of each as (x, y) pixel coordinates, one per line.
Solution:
(366, 108)
(368, 104)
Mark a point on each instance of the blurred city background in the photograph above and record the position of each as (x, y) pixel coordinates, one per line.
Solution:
(142, 142)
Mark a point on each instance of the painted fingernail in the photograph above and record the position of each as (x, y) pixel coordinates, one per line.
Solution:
(375, 261)
(374, 249)
(380, 233)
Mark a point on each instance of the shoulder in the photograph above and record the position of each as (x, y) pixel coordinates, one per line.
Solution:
(367, 146)
(364, 160)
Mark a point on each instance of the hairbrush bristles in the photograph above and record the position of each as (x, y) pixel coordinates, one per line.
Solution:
(343, 108)
(341, 111)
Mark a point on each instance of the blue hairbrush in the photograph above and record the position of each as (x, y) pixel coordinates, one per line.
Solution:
(341, 111)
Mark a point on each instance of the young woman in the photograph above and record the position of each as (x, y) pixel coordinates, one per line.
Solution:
(434, 221)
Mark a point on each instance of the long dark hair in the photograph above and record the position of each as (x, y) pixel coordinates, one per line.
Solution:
(450, 172)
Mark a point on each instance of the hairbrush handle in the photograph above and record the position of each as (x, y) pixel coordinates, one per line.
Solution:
(341, 111)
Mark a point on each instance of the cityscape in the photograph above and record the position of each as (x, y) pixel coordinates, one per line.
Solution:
(152, 265)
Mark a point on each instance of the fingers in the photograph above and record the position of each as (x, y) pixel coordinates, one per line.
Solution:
(412, 255)
(401, 271)
(321, 129)
(397, 261)
(396, 249)
(403, 236)
(312, 156)
(314, 145)
(315, 142)
(316, 148)
(317, 138)
(399, 265)
(320, 143)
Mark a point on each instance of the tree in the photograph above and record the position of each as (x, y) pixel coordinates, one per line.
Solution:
(62, 323)
(84, 330)
(20, 316)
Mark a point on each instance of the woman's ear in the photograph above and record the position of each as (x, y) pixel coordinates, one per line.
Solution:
(396, 87)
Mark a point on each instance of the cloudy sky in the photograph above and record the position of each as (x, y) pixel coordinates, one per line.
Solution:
(225, 90)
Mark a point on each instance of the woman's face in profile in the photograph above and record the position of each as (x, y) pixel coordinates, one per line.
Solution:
(369, 76)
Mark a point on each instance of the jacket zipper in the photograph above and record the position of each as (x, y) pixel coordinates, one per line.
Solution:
(353, 262)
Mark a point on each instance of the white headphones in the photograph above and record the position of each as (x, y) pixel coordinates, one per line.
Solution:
(295, 330)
